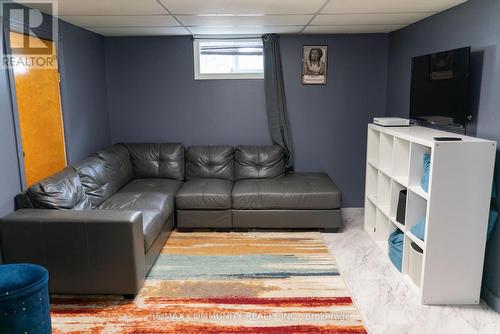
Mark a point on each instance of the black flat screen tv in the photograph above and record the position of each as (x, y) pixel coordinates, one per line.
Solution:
(440, 88)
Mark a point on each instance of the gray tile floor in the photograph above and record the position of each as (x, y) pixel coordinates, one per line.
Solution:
(386, 303)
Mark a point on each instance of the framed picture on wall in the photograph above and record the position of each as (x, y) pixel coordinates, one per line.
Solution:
(314, 62)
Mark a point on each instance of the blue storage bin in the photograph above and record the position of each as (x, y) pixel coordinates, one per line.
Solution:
(395, 242)
(424, 181)
(24, 299)
(418, 229)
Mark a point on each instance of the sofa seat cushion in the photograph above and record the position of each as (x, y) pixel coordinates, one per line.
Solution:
(155, 207)
(204, 194)
(164, 186)
(297, 191)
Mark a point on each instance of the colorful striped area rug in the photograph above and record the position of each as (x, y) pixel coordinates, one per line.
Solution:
(213, 282)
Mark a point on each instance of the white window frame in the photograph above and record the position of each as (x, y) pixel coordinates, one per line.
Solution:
(221, 76)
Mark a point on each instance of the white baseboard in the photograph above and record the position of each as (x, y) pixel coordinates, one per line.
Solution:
(350, 212)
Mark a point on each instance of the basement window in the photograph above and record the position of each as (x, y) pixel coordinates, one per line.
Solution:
(228, 59)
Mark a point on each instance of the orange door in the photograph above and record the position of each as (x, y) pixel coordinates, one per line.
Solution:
(40, 117)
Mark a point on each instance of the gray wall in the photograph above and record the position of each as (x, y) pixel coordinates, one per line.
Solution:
(84, 107)
(329, 122)
(152, 96)
(83, 92)
(9, 168)
(477, 24)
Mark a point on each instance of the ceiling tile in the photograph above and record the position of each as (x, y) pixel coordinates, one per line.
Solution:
(388, 6)
(140, 31)
(110, 7)
(242, 30)
(122, 21)
(245, 20)
(150, 17)
(388, 18)
(243, 6)
(353, 29)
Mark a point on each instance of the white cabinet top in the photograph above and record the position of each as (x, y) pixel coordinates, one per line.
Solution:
(422, 135)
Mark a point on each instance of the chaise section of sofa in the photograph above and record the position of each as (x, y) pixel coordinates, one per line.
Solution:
(297, 200)
(264, 196)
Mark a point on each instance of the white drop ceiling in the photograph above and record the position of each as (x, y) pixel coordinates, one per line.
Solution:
(186, 17)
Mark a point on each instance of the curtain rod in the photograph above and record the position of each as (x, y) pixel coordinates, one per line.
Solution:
(226, 37)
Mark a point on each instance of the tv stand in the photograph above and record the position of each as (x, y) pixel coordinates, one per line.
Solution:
(455, 208)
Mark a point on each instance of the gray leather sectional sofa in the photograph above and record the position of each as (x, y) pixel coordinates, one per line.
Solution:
(99, 225)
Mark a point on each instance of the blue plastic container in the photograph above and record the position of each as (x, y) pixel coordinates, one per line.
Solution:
(424, 181)
(395, 243)
(24, 299)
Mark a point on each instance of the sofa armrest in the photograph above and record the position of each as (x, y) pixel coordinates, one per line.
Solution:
(86, 252)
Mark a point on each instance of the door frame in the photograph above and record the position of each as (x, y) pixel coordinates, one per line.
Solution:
(19, 27)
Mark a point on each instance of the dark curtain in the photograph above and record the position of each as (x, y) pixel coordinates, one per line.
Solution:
(275, 97)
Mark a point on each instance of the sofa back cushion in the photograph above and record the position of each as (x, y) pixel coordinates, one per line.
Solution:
(210, 162)
(62, 191)
(259, 162)
(99, 179)
(118, 159)
(157, 160)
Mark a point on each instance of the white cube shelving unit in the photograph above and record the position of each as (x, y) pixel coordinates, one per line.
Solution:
(455, 208)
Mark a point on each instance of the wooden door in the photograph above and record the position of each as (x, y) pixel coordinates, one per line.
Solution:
(40, 117)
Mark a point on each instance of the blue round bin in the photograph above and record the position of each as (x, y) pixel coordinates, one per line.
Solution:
(24, 299)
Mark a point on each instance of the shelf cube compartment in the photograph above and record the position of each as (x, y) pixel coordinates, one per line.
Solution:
(373, 147)
(383, 192)
(391, 227)
(371, 181)
(370, 217)
(395, 247)
(417, 153)
(385, 156)
(396, 188)
(413, 257)
(401, 160)
(381, 226)
(416, 210)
